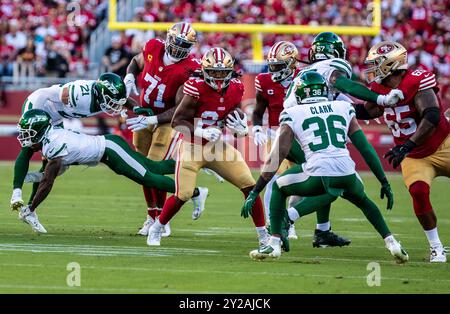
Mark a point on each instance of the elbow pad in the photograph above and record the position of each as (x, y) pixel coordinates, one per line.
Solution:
(432, 115)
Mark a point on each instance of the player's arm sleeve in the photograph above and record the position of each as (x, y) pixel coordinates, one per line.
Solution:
(369, 154)
(355, 89)
(190, 89)
(21, 166)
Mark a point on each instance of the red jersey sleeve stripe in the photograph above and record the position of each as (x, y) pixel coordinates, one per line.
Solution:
(427, 85)
(190, 90)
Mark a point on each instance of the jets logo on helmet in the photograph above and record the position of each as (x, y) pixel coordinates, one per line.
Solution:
(282, 60)
(112, 93)
(384, 58)
(110, 87)
(217, 68)
(180, 39)
(33, 126)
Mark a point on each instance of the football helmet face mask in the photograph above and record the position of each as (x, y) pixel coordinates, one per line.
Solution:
(217, 68)
(33, 127)
(180, 39)
(282, 60)
(311, 88)
(112, 94)
(326, 45)
(384, 58)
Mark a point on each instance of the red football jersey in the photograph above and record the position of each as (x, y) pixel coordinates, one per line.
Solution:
(403, 119)
(159, 83)
(274, 93)
(213, 107)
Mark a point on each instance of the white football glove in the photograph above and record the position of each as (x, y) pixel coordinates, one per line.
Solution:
(259, 136)
(16, 200)
(389, 100)
(140, 123)
(237, 124)
(210, 134)
(130, 84)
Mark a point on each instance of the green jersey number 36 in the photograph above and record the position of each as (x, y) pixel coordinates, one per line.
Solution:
(330, 131)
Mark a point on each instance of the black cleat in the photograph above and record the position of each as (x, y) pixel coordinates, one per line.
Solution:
(328, 238)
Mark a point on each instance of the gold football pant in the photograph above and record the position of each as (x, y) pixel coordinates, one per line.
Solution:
(155, 143)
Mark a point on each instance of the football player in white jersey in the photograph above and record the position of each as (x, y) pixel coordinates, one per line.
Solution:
(77, 99)
(322, 128)
(63, 147)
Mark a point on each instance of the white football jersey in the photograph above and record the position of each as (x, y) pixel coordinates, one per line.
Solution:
(73, 147)
(80, 105)
(324, 68)
(321, 130)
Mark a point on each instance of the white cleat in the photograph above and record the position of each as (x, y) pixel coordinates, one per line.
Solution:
(292, 234)
(17, 204)
(154, 235)
(438, 254)
(272, 249)
(396, 250)
(199, 203)
(31, 218)
(166, 231)
(147, 224)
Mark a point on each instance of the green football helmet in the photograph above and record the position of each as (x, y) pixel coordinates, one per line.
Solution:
(33, 126)
(326, 45)
(112, 94)
(312, 87)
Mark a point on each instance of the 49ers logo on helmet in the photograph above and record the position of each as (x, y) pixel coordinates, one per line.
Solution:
(385, 49)
(288, 50)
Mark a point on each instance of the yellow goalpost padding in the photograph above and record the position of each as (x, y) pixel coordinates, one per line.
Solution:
(255, 29)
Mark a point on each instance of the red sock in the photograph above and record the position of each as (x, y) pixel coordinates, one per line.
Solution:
(257, 212)
(152, 212)
(161, 198)
(171, 207)
(149, 197)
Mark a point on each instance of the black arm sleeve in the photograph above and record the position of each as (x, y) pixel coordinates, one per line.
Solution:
(362, 113)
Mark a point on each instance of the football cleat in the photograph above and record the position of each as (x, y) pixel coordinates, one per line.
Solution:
(328, 238)
(154, 235)
(272, 250)
(147, 224)
(16, 204)
(166, 231)
(292, 235)
(199, 203)
(31, 218)
(396, 250)
(438, 254)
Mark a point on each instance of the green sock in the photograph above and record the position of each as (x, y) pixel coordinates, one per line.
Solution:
(320, 203)
(21, 167)
(323, 214)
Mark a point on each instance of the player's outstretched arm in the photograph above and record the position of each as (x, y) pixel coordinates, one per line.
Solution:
(348, 86)
(371, 158)
(134, 68)
(45, 186)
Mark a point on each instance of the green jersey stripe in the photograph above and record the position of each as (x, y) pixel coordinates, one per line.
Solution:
(341, 68)
(72, 89)
(346, 64)
(59, 150)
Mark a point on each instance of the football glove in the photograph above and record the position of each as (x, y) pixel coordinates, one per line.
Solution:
(237, 124)
(210, 134)
(396, 154)
(387, 191)
(16, 200)
(248, 204)
(389, 100)
(140, 123)
(259, 136)
(130, 84)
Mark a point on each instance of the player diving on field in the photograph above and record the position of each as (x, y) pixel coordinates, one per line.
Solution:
(321, 127)
(64, 147)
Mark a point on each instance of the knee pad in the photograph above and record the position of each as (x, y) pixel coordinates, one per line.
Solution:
(420, 193)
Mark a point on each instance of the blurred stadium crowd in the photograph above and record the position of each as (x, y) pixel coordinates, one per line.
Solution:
(43, 32)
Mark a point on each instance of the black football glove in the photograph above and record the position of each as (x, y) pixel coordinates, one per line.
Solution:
(396, 154)
(387, 191)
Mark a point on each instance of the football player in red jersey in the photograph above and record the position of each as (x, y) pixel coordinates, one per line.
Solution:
(160, 69)
(209, 104)
(420, 130)
(271, 89)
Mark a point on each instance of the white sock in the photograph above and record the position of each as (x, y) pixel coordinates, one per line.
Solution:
(274, 241)
(293, 214)
(324, 227)
(262, 232)
(433, 237)
(389, 239)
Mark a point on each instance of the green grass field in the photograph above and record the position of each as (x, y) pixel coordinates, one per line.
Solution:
(92, 216)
